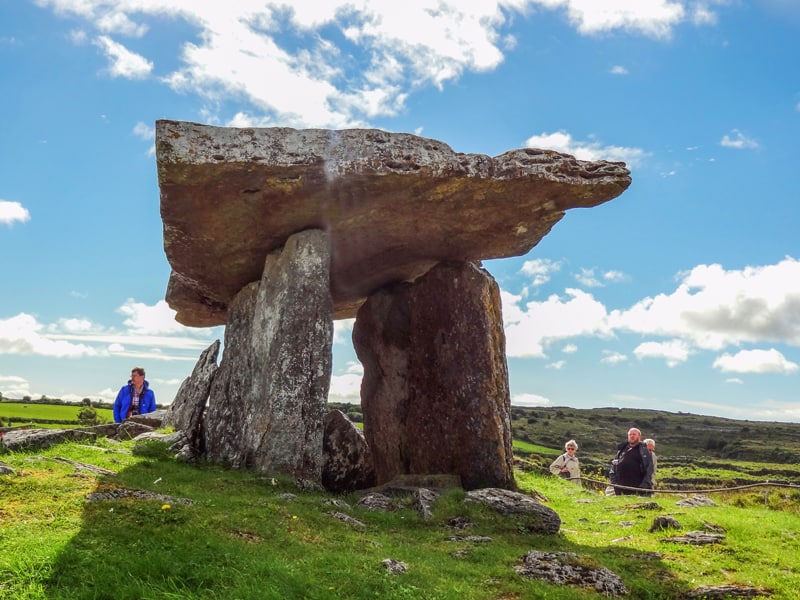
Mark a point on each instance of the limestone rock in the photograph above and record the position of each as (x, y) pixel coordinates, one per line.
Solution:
(186, 411)
(568, 568)
(435, 394)
(347, 460)
(393, 204)
(33, 439)
(267, 399)
(540, 519)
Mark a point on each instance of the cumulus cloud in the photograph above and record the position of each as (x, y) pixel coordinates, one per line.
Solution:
(143, 319)
(561, 141)
(14, 387)
(710, 309)
(22, 334)
(13, 212)
(612, 358)
(673, 352)
(347, 386)
(619, 70)
(654, 18)
(755, 361)
(533, 326)
(738, 140)
(123, 62)
(713, 308)
(340, 62)
(529, 400)
(343, 331)
(540, 269)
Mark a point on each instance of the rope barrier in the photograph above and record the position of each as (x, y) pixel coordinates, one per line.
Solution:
(690, 491)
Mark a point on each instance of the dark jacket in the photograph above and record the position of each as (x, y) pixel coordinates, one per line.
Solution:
(632, 467)
(147, 401)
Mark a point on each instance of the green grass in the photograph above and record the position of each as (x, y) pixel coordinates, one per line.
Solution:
(242, 538)
(51, 412)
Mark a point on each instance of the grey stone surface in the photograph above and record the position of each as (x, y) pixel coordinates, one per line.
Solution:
(267, 400)
(435, 394)
(393, 204)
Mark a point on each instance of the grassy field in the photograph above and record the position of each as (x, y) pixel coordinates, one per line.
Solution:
(45, 412)
(242, 535)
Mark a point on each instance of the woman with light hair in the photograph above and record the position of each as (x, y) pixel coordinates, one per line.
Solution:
(567, 465)
(651, 445)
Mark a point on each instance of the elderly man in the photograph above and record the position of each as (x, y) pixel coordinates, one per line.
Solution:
(632, 466)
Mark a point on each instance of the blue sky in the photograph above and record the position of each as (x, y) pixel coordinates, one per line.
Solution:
(682, 294)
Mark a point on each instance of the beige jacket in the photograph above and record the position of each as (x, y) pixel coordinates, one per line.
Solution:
(572, 465)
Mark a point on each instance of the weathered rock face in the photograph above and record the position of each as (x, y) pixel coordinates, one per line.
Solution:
(347, 460)
(267, 400)
(393, 204)
(435, 393)
(186, 411)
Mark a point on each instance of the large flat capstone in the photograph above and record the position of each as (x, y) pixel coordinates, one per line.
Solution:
(393, 205)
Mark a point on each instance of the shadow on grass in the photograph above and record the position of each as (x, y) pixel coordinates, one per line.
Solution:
(216, 534)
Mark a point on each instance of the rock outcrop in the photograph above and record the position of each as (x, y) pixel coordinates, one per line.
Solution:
(393, 204)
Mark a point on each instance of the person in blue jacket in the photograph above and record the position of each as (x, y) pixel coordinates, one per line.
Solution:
(135, 398)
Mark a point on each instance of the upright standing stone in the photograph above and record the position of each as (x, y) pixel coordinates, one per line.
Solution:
(435, 392)
(186, 411)
(267, 404)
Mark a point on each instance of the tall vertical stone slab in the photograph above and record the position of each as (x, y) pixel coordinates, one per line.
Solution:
(447, 410)
(186, 411)
(230, 396)
(382, 341)
(267, 404)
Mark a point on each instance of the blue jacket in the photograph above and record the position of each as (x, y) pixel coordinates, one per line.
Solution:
(147, 401)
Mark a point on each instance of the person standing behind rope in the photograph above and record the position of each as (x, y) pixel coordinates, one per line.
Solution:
(134, 398)
(567, 465)
(651, 445)
(632, 466)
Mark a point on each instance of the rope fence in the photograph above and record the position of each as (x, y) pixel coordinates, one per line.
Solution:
(605, 484)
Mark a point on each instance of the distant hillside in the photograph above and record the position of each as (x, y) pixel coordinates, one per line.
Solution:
(599, 430)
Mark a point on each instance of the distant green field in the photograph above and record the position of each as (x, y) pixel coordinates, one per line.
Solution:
(529, 448)
(52, 412)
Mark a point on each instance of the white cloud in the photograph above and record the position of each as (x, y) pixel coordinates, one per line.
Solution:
(586, 277)
(561, 141)
(12, 386)
(343, 331)
(529, 400)
(735, 380)
(340, 62)
(540, 269)
(144, 131)
(347, 387)
(738, 140)
(123, 62)
(654, 18)
(557, 365)
(530, 329)
(142, 319)
(619, 70)
(615, 276)
(22, 334)
(673, 352)
(612, 358)
(570, 349)
(713, 308)
(755, 361)
(11, 212)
